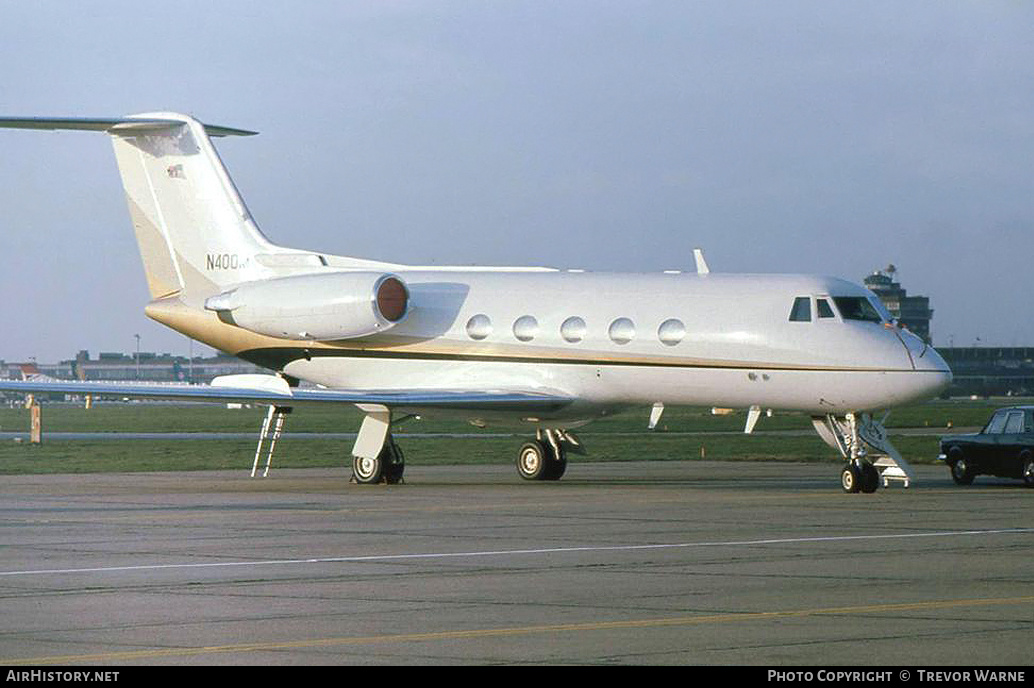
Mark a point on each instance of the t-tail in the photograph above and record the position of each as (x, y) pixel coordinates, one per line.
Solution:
(195, 234)
(194, 231)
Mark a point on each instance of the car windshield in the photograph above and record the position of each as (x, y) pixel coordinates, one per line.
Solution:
(996, 424)
(857, 308)
(1014, 423)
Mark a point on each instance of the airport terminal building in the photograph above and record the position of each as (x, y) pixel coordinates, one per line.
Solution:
(988, 371)
(143, 367)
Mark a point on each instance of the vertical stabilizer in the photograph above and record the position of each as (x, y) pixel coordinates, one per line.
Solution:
(195, 234)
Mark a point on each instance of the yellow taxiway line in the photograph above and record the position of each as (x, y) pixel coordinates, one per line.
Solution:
(135, 655)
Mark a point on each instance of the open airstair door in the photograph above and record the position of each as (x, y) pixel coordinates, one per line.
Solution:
(863, 442)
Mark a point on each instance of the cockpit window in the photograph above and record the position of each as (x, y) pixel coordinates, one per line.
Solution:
(857, 308)
(801, 311)
(881, 309)
(825, 310)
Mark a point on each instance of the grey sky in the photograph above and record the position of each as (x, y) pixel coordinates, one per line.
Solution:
(816, 137)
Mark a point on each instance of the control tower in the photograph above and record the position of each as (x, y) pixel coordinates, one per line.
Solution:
(913, 312)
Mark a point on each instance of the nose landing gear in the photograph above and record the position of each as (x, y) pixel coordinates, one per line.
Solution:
(860, 476)
(859, 439)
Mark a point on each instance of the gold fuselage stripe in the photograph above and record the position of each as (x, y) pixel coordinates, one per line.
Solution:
(286, 354)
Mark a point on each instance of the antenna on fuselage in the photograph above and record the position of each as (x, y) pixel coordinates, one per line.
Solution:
(698, 256)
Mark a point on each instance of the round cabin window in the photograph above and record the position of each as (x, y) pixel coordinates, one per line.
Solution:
(525, 328)
(622, 331)
(479, 327)
(573, 330)
(671, 332)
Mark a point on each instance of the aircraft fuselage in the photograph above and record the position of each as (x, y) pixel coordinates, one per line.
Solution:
(614, 339)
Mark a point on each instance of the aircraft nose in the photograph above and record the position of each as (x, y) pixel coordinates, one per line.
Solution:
(936, 375)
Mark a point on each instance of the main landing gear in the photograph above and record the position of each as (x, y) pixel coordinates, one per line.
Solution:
(376, 458)
(860, 439)
(388, 466)
(545, 457)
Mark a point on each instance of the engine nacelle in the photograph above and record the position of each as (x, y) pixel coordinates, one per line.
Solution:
(338, 305)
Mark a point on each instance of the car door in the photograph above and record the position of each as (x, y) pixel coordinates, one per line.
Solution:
(987, 448)
(1007, 443)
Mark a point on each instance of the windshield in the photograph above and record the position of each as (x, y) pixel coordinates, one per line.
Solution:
(996, 424)
(857, 308)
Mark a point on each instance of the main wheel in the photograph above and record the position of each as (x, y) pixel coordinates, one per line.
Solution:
(532, 460)
(388, 467)
(555, 465)
(367, 471)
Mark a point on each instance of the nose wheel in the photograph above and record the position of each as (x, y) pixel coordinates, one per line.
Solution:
(863, 442)
(860, 476)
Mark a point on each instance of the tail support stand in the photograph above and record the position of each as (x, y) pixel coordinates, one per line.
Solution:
(272, 428)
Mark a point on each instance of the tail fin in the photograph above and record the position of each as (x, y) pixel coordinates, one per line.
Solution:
(194, 231)
(195, 234)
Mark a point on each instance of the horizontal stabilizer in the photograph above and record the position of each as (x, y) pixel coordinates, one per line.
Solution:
(113, 125)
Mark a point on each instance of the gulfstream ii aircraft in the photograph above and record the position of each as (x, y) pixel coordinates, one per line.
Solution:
(548, 348)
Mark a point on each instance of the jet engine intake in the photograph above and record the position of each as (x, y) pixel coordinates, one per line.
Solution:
(339, 305)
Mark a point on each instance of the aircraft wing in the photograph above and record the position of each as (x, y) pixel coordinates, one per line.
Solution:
(275, 391)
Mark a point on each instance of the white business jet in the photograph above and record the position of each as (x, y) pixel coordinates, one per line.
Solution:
(548, 348)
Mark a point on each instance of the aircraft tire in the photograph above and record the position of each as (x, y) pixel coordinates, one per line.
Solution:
(366, 471)
(850, 478)
(870, 478)
(555, 465)
(533, 460)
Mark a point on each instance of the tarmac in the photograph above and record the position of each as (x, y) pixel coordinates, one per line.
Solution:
(632, 563)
